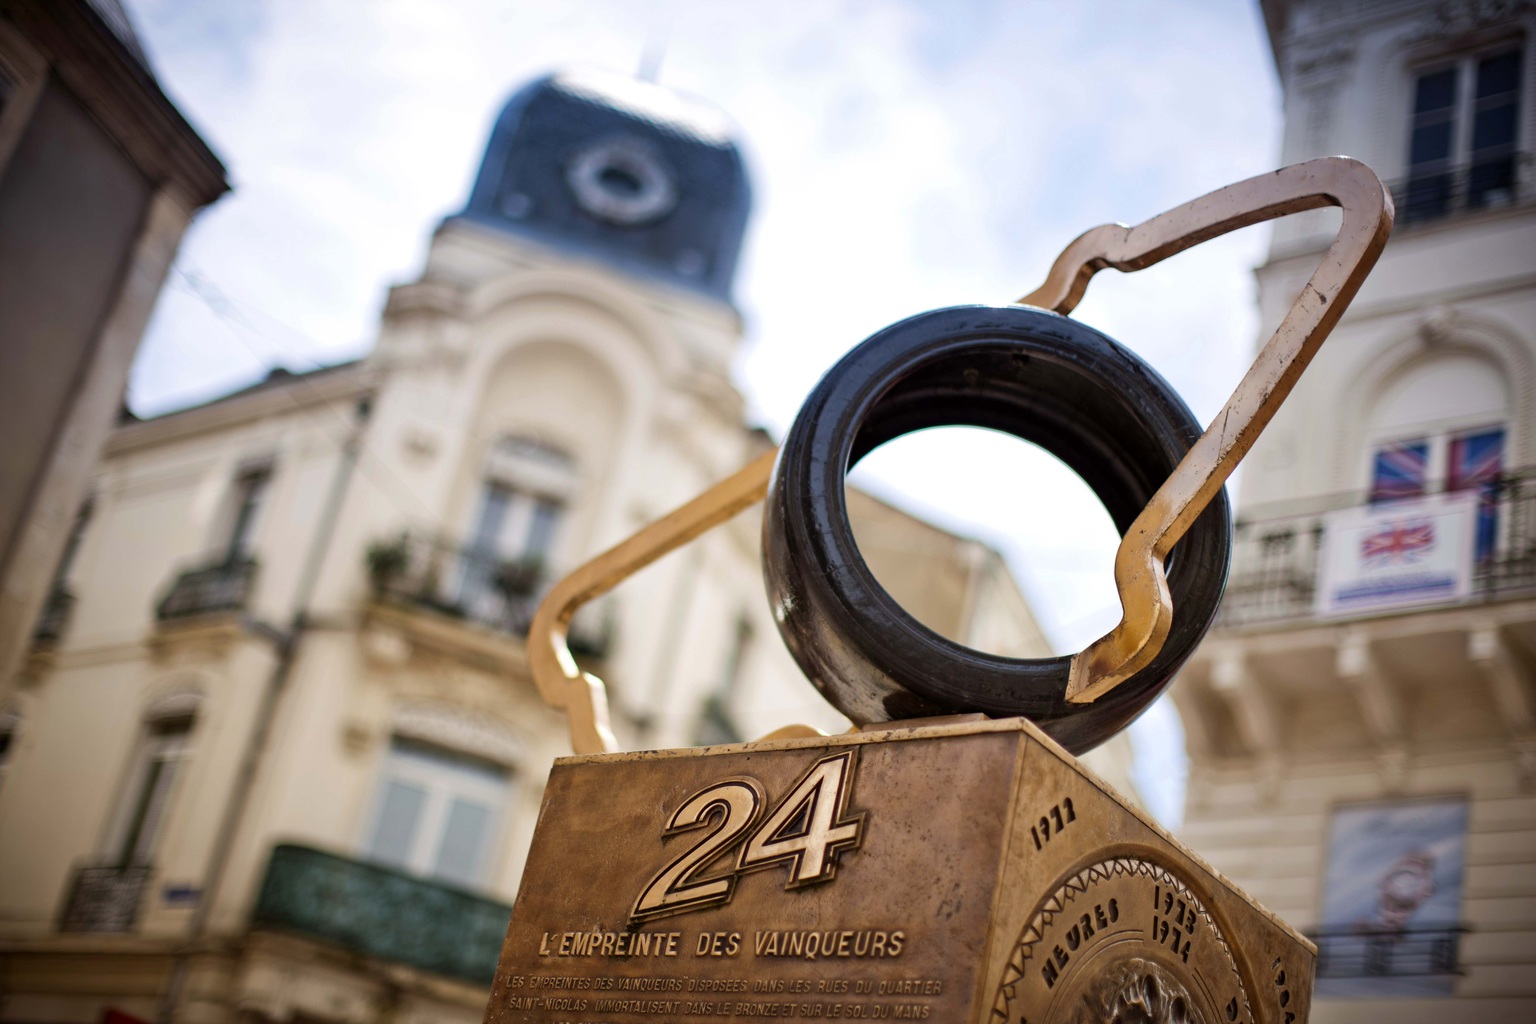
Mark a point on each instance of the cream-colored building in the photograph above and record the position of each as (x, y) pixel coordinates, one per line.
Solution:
(284, 758)
(1362, 721)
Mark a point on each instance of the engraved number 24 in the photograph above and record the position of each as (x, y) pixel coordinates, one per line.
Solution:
(807, 829)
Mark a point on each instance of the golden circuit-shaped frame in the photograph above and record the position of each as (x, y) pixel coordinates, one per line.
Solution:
(1140, 578)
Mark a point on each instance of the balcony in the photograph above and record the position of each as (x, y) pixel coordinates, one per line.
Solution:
(1276, 563)
(421, 571)
(224, 586)
(378, 912)
(1411, 953)
(105, 898)
(54, 617)
(1431, 193)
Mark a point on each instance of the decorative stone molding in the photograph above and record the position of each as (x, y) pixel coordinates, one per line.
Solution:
(458, 729)
(1451, 20)
(384, 646)
(1380, 708)
(1509, 677)
(1328, 60)
(179, 703)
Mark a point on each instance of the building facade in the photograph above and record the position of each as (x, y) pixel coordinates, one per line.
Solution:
(99, 177)
(1362, 720)
(284, 757)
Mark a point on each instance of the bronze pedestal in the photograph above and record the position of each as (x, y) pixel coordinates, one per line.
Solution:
(960, 871)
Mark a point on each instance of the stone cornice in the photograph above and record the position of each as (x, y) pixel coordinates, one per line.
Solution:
(122, 95)
(298, 393)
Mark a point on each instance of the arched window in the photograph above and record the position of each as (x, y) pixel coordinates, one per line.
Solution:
(526, 488)
(1441, 425)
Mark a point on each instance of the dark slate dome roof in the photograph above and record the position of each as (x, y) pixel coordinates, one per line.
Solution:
(619, 170)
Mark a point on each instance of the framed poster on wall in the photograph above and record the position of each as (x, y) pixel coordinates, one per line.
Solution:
(1392, 899)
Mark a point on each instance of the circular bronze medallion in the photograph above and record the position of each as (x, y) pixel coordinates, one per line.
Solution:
(1123, 941)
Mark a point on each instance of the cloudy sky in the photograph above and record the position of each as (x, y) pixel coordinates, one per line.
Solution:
(905, 155)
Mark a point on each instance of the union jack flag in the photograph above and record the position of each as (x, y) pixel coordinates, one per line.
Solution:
(1400, 542)
(1398, 471)
(1476, 463)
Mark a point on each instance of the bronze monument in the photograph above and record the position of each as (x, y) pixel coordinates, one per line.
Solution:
(948, 859)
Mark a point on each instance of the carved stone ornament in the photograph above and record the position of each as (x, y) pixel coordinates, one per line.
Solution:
(456, 729)
(1328, 60)
(1451, 19)
(1438, 326)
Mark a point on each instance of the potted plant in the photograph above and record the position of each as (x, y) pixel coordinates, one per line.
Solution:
(387, 559)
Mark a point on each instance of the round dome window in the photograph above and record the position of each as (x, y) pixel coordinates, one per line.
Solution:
(622, 182)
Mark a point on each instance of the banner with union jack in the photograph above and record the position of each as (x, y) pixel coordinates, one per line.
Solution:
(1402, 554)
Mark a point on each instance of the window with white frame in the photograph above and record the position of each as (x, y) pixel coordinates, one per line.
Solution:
(145, 803)
(437, 813)
(522, 503)
(1464, 134)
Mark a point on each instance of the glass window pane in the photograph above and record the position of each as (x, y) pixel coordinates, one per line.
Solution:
(1436, 91)
(1430, 143)
(1398, 470)
(1493, 128)
(250, 491)
(399, 816)
(493, 513)
(1498, 74)
(541, 531)
(144, 828)
(464, 841)
(477, 570)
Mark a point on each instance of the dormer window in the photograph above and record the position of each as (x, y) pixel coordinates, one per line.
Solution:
(1464, 136)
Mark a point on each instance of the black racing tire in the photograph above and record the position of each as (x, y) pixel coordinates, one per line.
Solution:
(1028, 372)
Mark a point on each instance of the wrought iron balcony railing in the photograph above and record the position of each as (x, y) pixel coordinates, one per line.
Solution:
(1413, 952)
(54, 617)
(1432, 192)
(475, 585)
(208, 589)
(378, 912)
(105, 898)
(1276, 562)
